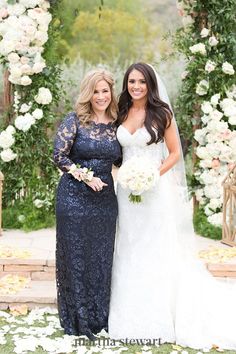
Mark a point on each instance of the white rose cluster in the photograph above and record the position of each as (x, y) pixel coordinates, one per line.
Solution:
(216, 151)
(24, 31)
(7, 139)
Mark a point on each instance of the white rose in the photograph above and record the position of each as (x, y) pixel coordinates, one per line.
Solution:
(24, 60)
(29, 3)
(205, 119)
(26, 69)
(38, 67)
(215, 203)
(199, 193)
(213, 41)
(10, 129)
(212, 191)
(229, 107)
(216, 219)
(200, 136)
(205, 163)
(202, 87)
(7, 46)
(15, 71)
(232, 92)
(14, 79)
(41, 36)
(8, 155)
(37, 113)
(218, 126)
(212, 138)
(227, 68)
(206, 107)
(16, 9)
(232, 120)
(44, 4)
(226, 154)
(25, 41)
(204, 32)
(24, 122)
(13, 58)
(44, 96)
(38, 203)
(213, 149)
(44, 19)
(202, 152)
(206, 178)
(232, 143)
(34, 50)
(3, 11)
(216, 115)
(6, 140)
(198, 48)
(25, 80)
(210, 66)
(25, 108)
(30, 30)
(215, 99)
(208, 211)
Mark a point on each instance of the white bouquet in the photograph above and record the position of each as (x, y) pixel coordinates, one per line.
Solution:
(138, 174)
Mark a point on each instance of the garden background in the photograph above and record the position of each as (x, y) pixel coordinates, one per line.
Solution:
(192, 46)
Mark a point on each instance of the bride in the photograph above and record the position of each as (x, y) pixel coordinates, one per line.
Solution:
(160, 290)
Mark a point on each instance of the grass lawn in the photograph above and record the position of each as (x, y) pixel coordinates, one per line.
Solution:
(39, 332)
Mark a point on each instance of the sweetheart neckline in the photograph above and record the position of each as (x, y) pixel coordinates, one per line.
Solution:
(131, 134)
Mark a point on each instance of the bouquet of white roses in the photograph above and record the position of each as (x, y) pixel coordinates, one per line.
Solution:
(138, 174)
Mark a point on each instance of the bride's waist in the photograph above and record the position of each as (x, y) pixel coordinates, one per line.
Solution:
(157, 159)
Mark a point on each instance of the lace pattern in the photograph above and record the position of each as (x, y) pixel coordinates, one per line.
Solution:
(86, 223)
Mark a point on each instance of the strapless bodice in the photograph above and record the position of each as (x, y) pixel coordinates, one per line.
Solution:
(136, 144)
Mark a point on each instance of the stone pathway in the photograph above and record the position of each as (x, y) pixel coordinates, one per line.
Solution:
(40, 266)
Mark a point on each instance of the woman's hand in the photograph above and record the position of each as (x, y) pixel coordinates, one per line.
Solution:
(96, 184)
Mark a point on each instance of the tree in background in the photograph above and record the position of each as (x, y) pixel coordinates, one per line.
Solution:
(119, 31)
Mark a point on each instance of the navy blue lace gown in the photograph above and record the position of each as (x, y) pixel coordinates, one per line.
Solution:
(86, 224)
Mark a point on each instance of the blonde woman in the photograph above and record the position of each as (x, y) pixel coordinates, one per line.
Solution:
(86, 206)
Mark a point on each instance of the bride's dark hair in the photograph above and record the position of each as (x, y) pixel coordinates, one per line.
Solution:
(158, 113)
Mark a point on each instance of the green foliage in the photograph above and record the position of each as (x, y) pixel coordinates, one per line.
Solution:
(24, 215)
(220, 18)
(32, 175)
(203, 227)
(118, 31)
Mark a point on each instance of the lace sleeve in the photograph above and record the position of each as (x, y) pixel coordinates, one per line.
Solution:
(63, 142)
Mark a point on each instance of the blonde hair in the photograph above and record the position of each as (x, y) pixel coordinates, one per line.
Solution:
(83, 106)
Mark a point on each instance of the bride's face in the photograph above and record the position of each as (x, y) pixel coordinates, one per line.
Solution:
(137, 86)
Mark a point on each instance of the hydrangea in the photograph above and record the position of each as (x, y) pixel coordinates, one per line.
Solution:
(7, 155)
(204, 32)
(210, 66)
(227, 68)
(213, 41)
(198, 48)
(24, 122)
(6, 139)
(37, 113)
(44, 96)
(202, 87)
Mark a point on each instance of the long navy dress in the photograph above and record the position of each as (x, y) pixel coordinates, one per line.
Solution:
(86, 224)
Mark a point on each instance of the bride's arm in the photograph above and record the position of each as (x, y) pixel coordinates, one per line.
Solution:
(173, 147)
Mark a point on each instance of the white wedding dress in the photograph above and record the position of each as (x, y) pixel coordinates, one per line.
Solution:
(160, 289)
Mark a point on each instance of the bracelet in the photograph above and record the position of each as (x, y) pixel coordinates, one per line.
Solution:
(86, 173)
